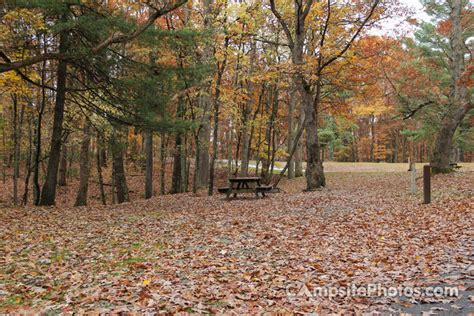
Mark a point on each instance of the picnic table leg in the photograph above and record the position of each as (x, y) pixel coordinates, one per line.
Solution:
(238, 187)
(256, 191)
(229, 192)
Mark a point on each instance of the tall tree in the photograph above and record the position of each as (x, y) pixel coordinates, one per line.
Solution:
(48, 193)
(323, 47)
(460, 97)
(84, 171)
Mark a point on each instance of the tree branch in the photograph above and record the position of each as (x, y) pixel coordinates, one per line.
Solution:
(353, 38)
(283, 24)
(112, 39)
(115, 39)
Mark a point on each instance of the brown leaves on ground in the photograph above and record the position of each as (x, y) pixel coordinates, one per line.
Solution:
(205, 254)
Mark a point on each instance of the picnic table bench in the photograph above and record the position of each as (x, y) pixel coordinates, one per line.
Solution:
(245, 185)
(454, 165)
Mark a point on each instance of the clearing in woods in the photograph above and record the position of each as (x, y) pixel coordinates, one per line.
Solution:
(208, 255)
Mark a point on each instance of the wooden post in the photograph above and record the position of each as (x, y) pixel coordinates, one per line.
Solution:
(426, 184)
(413, 176)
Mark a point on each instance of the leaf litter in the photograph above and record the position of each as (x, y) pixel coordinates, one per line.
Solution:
(194, 253)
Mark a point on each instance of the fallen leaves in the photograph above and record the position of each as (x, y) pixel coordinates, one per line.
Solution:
(187, 253)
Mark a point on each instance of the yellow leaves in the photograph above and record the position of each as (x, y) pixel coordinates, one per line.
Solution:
(11, 82)
(21, 21)
(371, 107)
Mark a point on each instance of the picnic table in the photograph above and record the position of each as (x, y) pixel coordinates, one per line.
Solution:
(454, 165)
(245, 185)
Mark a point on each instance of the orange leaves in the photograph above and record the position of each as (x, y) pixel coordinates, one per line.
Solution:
(240, 256)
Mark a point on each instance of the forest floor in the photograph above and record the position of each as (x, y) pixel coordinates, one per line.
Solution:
(194, 253)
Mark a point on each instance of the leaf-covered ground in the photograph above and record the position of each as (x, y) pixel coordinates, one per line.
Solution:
(205, 254)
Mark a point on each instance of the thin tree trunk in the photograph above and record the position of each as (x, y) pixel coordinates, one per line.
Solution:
(99, 171)
(229, 152)
(48, 194)
(16, 145)
(177, 179)
(244, 168)
(4, 160)
(267, 165)
(81, 198)
(149, 164)
(299, 154)
(237, 152)
(112, 185)
(184, 170)
(252, 130)
(291, 136)
(37, 158)
(162, 163)
(28, 162)
(196, 163)
(372, 138)
(215, 134)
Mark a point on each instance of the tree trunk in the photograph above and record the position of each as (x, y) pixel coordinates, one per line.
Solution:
(103, 155)
(48, 194)
(299, 160)
(201, 178)
(291, 136)
(314, 165)
(84, 171)
(16, 148)
(37, 158)
(28, 162)
(62, 179)
(372, 138)
(202, 152)
(215, 135)
(176, 186)
(244, 168)
(229, 151)
(162, 163)
(177, 183)
(4, 154)
(184, 163)
(120, 181)
(99, 171)
(268, 131)
(458, 97)
(149, 164)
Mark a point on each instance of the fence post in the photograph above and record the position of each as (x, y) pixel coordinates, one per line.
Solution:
(426, 184)
(413, 177)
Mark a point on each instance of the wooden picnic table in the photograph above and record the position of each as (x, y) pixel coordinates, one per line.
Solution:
(245, 185)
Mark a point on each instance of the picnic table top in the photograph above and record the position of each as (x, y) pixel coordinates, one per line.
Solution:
(244, 179)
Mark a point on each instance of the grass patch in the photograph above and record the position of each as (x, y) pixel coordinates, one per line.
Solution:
(59, 256)
(12, 300)
(132, 260)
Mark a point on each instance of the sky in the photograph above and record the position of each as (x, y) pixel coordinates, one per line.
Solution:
(393, 26)
(416, 5)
